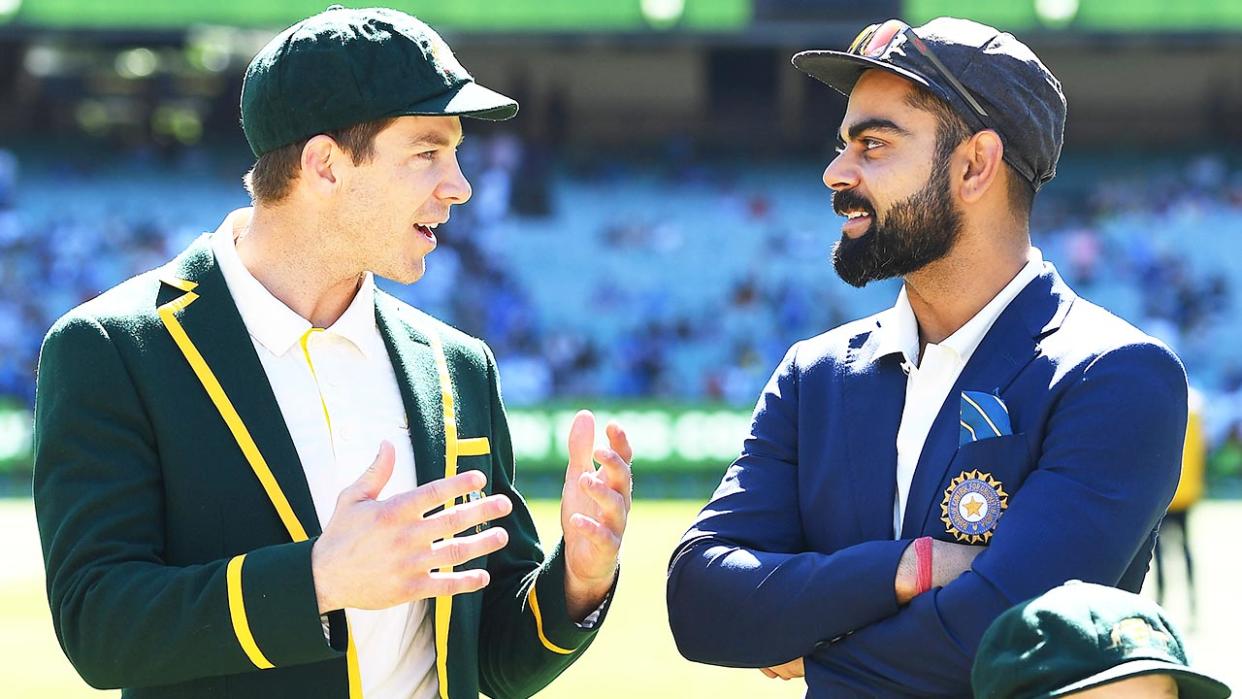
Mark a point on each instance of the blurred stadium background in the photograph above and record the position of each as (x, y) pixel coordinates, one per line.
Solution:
(646, 238)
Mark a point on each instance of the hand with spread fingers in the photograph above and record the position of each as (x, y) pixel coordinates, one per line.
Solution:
(595, 505)
(375, 554)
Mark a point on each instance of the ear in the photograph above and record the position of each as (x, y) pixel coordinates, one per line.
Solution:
(319, 157)
(983, 164)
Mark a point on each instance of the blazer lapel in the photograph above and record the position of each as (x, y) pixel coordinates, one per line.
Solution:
(215, 328)
(415, 367)
(1011, 344)
(874, 394)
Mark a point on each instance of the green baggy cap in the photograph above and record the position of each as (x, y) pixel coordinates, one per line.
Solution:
(344, 66)
(1078, 636)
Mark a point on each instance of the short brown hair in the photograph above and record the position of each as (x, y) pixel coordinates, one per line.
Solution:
(952, 129)
(274, 172)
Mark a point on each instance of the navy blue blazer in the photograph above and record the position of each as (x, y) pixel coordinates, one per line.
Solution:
(794, 556)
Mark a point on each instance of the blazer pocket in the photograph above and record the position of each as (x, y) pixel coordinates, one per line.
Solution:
(978, 484)
(1008, 458)
(474, 446)
(474, 454)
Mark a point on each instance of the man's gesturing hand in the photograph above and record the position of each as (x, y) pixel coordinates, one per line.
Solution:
(595, 505)
(375, 554)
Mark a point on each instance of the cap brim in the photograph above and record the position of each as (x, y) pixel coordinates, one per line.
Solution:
(1191, 684)
(470, 99)
(840, 70)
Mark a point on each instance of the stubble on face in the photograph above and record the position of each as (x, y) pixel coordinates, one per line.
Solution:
(378, 237)
(373, 224)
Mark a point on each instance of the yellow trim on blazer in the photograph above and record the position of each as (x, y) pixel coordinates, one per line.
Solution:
(444, 604)
(225, 407)
(453, 448)
(351, 664)
(475, 446)
(254, 457)
(237, 610)
(534, 608)
(181, 284)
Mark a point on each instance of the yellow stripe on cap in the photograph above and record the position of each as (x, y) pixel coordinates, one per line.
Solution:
(237, 610)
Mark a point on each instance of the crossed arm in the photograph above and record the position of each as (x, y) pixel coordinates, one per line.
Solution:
(1100, 486)
(949, 561)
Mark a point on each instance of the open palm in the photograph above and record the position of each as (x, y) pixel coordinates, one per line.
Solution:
(595, 504)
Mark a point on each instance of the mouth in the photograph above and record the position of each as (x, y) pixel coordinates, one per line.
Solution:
(428, 230)
(857, 223)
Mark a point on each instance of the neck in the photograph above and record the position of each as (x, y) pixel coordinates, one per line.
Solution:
(283, 255)
(947, 293)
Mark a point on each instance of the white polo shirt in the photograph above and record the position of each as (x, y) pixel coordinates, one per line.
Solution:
(339, 396)
(929, 381)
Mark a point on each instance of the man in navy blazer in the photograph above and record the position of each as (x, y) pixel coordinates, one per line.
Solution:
(911, 475)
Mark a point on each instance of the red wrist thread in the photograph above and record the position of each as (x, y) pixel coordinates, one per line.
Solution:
(923, 561)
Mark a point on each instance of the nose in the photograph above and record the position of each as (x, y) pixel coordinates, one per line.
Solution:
(841, 173)
(455, 188)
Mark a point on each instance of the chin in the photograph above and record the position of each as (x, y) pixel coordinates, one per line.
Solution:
(406, 274)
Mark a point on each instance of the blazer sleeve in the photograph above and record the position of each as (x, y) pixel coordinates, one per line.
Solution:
(742, 591)
(1110, 463)
(124, 617)
(527, 637)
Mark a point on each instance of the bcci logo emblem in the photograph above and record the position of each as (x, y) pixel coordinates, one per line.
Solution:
(972, 505)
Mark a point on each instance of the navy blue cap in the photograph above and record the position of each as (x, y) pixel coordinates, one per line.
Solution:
(1022, 98)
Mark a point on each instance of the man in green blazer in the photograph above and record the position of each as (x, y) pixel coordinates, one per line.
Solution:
(203, 431)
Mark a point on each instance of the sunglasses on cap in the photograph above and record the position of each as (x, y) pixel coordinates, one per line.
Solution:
(875, 42)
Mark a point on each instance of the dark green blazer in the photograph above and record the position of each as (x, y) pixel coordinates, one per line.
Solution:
(177, 524)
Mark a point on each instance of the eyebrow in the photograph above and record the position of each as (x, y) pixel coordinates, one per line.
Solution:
(874, 124)
(434, 138)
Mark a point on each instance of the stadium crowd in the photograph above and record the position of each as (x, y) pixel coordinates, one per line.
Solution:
(681, 281)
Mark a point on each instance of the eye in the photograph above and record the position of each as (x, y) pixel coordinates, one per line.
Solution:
(428, 154)
(871, 143)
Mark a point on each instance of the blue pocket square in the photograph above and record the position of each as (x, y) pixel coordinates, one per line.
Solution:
(983, 416)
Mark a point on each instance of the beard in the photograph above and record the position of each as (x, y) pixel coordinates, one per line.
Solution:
(914, 233)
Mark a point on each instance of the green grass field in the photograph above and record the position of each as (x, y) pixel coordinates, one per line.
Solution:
(634, 654)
